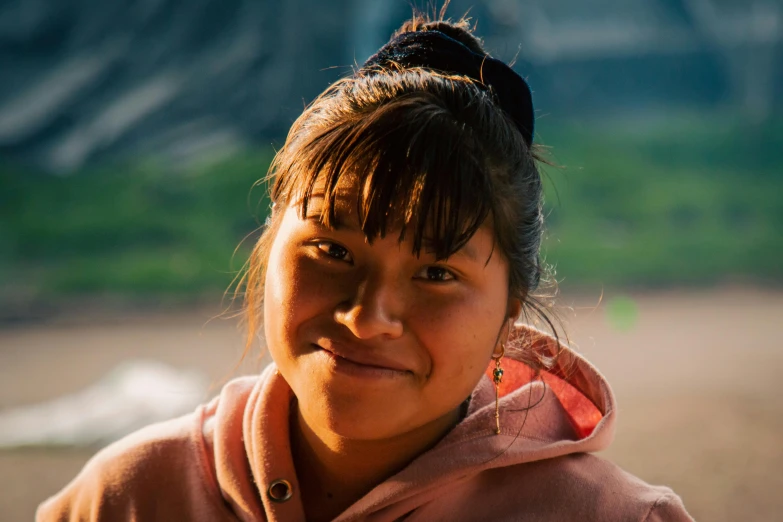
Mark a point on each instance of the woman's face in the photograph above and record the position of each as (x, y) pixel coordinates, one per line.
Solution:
(374, 341)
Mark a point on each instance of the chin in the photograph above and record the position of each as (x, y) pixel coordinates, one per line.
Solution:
(359, 418)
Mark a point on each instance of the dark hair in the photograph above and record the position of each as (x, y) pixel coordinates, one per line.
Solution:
(435, 157)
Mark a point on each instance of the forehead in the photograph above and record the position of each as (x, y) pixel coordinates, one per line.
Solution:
(345, 202)
(348, 202)
(437, 206)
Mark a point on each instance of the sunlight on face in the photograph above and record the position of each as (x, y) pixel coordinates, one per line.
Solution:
(374, 340)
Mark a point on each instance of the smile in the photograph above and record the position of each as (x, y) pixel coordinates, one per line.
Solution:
(350, 367)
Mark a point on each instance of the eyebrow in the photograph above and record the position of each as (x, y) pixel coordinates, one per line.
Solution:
(340, 223)
(467, 250)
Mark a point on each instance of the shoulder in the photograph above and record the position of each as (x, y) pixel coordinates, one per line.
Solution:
(127, 479)
(577, 486)
(612, 492)
(588, 487)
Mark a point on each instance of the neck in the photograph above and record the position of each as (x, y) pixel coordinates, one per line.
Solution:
(334, 472)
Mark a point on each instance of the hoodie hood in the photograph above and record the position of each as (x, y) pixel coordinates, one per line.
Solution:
(567, 409)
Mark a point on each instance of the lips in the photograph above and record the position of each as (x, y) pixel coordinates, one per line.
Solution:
(362, 355)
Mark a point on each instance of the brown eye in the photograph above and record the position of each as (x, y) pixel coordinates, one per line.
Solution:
(436, 274)
(334, 251)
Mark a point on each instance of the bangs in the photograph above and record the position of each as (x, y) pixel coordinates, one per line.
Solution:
(412, 167)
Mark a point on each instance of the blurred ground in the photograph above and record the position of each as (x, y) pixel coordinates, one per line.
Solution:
(696, 373)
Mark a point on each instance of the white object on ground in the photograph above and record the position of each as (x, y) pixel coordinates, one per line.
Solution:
(132, 395)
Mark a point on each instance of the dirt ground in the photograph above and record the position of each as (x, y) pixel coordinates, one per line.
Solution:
(697, 376)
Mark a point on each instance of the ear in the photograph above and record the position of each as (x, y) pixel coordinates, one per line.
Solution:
(514, 309)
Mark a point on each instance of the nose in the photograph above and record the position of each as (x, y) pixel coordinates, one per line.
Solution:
(373, 310)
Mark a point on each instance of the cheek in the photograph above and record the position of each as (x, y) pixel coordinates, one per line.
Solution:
(282, 310)
(461, 334)
(459, 337)
(296, 291)
(278, 288)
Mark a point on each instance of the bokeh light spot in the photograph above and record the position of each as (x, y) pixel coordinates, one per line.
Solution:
(622, 313)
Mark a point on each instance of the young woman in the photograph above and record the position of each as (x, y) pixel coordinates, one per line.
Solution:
(401, 250)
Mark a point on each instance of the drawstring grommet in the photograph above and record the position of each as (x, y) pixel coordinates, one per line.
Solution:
(280, 490)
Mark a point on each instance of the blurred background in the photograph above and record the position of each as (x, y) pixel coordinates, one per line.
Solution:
(131, 134)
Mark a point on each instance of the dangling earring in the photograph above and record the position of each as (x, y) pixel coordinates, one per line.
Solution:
(497, 377)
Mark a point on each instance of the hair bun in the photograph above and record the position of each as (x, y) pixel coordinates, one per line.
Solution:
(459, 31)
(438, 51)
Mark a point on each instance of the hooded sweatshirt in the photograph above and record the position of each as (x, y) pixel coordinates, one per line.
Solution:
(217, 464)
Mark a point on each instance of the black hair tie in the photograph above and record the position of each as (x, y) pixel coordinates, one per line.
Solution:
(438, 51)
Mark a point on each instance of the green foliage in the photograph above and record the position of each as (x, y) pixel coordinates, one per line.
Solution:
(621, 313)
(132, 230)
(691, 202)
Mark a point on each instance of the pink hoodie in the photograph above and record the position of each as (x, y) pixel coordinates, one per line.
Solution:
(217, 463)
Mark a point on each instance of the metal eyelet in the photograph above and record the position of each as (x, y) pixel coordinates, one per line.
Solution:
(280, 490)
